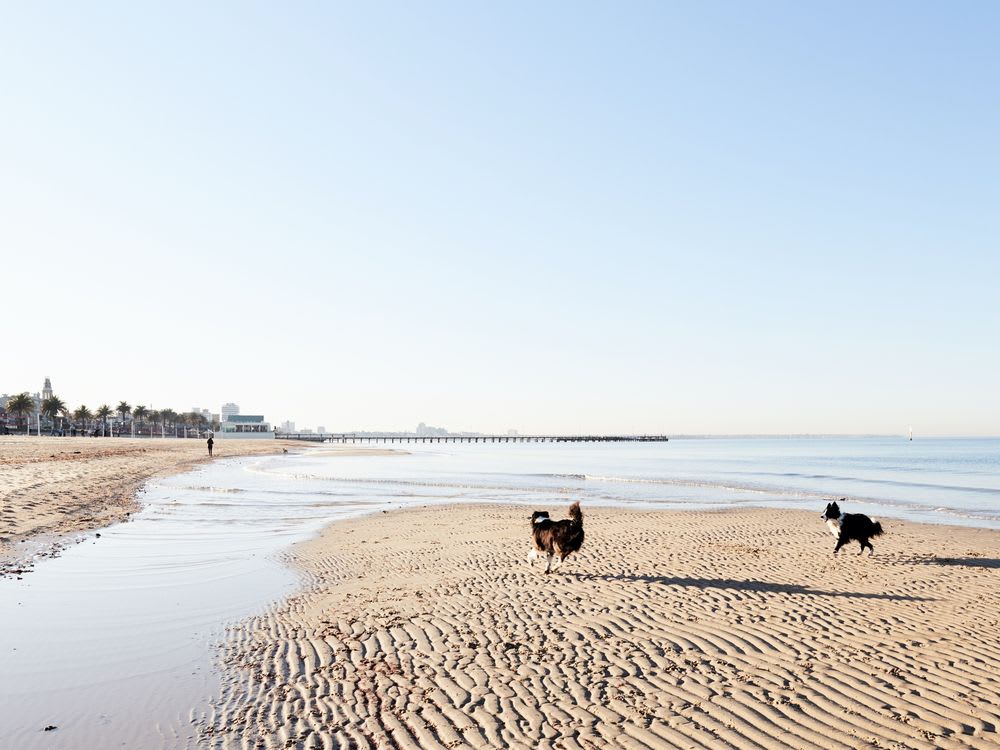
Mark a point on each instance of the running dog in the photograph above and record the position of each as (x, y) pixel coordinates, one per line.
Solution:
(556, 538)
(848, 526)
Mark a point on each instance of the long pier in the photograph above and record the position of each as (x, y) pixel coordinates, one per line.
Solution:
(342, 437)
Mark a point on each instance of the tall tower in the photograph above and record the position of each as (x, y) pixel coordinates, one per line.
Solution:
(47, 389)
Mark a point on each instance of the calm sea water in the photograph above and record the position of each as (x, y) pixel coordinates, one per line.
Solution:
(112, 642)
(944, 480)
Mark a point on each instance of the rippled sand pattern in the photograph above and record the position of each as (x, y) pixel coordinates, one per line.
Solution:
(427, 629)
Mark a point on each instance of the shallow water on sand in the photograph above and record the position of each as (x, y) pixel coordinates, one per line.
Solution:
(111, 642)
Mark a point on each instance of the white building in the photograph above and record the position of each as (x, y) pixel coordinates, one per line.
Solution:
(288, 427)
(228, 410)
(245, 426)
(321, 430)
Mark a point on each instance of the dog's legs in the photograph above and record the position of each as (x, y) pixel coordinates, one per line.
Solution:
(871, 549)
(840, 543)
(548, 563)
(532, 556)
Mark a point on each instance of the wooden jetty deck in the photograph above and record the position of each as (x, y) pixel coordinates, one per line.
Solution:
(354, 438)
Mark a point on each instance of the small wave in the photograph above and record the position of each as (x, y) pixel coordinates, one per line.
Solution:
(709, 484)
(209, 488)
(888, 482)
(376, 481)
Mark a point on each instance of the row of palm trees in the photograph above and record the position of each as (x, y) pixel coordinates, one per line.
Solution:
(132, 420)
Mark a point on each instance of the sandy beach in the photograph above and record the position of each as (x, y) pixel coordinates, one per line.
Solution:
(54, 486)
(426, 628)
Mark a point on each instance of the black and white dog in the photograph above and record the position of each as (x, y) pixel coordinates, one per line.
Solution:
(553, 538)
(848, 526)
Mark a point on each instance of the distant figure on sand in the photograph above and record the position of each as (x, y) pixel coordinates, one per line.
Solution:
(211, 442)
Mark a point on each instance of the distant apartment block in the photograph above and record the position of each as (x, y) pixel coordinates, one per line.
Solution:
(424, 430)
(288, 426)
(229, 410)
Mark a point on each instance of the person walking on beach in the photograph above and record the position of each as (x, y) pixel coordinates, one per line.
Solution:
(211, 442)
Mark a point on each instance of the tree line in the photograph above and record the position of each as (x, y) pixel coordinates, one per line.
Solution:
(22, 406)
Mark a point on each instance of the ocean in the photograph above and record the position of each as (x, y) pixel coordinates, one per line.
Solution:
(937, 480)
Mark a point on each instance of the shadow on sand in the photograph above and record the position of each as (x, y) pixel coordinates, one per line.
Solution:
(969, 562)
(762, 587)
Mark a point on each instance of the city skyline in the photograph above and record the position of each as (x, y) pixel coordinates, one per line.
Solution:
(573, 218)
(422, 428)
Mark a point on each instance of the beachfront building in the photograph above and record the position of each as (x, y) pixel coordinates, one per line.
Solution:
(33, 417)
(245, 426)
(228, 410)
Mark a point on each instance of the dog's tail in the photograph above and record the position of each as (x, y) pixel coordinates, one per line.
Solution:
(877, 529)
(575, 514)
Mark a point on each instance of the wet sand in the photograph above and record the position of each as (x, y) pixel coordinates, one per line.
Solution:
(427, 629)
(52, 486)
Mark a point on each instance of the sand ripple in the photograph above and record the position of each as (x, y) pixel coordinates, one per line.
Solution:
(427, 629)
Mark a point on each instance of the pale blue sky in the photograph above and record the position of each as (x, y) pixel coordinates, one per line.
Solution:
(621, 217)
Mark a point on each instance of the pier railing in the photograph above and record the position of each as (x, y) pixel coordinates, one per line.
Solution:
(341, 437)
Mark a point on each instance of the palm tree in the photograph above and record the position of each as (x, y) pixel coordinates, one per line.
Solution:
(138, 413)
(21, 405)
(194, 419)
(154, 419)
(53, 407)
(124, 409)
(103, 412)
(83, 415)
(170, 417)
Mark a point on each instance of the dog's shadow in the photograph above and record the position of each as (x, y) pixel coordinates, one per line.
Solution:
(763, 587)
(968, 562)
